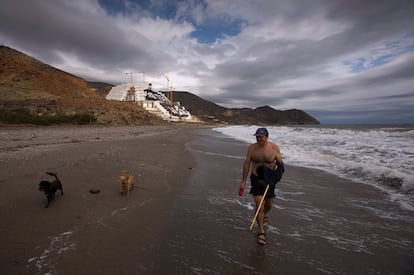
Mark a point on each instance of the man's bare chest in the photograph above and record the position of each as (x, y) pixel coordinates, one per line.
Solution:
(263, 156)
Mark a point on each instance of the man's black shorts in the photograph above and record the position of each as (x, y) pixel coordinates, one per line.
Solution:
(258, 188)
(266, 176)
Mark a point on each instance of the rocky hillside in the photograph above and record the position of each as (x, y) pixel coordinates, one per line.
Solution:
(35, 93)
(266, 115)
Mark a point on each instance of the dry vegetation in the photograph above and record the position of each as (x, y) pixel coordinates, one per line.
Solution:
(32, 92)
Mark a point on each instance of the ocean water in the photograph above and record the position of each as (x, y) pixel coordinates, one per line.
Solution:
(382, 156)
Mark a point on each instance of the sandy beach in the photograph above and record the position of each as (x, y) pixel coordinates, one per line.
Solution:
(184, 216)
(37, 240)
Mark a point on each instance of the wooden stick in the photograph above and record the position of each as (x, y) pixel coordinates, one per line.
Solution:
(260, 206)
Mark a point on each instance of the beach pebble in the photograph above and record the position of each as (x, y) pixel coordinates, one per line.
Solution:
(94, 191)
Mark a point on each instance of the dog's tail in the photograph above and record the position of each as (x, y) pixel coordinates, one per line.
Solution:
(53, 174)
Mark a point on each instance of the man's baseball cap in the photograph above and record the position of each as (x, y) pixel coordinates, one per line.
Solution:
(261, 132)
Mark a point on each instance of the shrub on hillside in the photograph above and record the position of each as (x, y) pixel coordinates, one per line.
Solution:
(22, 116)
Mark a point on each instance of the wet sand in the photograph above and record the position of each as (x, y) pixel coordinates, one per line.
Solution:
(89, 227)
(184, 216)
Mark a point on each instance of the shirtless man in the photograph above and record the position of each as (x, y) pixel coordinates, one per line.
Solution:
(265, 153)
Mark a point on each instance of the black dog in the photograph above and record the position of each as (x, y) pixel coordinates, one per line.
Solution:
(50, 188)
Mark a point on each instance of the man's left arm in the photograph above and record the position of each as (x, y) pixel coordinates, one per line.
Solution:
(278, 156)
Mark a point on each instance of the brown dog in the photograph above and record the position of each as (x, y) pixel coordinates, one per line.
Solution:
(127, 181)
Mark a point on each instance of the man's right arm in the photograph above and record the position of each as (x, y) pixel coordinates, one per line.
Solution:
(246, 169)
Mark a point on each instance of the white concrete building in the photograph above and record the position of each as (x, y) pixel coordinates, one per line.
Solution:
(154, 102)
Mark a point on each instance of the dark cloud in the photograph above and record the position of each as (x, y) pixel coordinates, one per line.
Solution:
(338, 60)
(49, 28)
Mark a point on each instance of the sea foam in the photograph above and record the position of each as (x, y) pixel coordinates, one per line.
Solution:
(380, 156)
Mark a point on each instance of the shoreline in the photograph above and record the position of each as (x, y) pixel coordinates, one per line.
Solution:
(184, 216)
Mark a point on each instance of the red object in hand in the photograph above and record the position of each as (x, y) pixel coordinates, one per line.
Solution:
(241, 190)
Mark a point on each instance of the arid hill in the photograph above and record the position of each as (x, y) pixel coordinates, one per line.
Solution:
(36, 93)
(266, 115)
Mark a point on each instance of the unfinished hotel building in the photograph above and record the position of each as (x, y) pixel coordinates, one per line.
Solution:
(156, 102)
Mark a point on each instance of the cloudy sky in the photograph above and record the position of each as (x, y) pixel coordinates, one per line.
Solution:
(342, 61)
